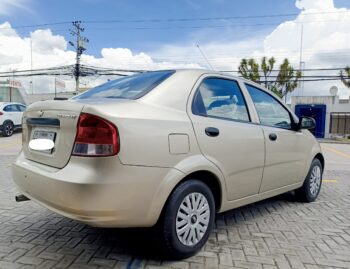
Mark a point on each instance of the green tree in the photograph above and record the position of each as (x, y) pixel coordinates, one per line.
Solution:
(249, 69)
(284, 82)
(267, 67)
(345, 76)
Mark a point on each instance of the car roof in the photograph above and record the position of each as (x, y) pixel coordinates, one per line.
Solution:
(228, 74)
(2, 104)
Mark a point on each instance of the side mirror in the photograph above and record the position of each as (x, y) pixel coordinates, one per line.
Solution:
(307, 123)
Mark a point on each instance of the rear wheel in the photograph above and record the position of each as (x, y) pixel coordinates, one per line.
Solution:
(312, 184)
(187, 219)
(7, 129)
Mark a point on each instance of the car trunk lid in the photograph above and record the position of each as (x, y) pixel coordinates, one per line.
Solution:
(55, 120)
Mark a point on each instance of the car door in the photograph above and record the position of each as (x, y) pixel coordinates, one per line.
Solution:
(286, 149)
(16, 115)
(20, 109)
(9, 115)
(226, 135)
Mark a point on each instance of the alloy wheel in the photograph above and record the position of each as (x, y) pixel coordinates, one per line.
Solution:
(8, 129)
(315, 180)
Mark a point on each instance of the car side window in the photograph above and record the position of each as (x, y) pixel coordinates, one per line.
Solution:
(269, 110)
(220, 98)
(15, 108)
(20, 108)
(8, 108)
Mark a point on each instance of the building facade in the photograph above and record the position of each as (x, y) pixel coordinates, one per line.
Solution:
(10, 91)
(332, 115)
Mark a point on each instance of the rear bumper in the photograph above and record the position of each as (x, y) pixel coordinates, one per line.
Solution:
(97, 191)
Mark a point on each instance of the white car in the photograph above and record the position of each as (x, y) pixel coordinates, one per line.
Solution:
(10, 117)
(165, 148)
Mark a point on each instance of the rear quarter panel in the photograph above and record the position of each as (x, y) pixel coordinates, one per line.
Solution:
(144, 131)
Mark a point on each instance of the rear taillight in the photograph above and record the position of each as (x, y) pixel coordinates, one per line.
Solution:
(95, 137)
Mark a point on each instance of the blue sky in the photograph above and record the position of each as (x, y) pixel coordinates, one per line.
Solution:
(122, 35)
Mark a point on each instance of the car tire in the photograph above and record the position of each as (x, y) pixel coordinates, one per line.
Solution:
(187, 219)
(312, 184)
(7, 129)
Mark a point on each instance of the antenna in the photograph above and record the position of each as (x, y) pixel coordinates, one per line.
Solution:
(205, 58)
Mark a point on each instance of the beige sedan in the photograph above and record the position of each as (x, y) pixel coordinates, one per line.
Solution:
(166, 149)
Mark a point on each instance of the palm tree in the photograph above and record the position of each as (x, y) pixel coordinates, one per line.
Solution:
(345, 76)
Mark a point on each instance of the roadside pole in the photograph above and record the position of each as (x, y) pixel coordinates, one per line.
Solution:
(55, 87)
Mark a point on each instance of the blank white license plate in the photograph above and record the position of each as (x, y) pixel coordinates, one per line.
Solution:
(40, 134)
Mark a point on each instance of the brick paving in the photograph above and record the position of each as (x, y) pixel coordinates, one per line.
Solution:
(276, 233)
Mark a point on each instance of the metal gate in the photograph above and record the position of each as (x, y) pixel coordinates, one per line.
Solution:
(317, 112)
(340, 123)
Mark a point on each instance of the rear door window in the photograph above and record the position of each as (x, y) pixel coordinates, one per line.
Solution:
(20, 108)
(130, 87)
(220, 98)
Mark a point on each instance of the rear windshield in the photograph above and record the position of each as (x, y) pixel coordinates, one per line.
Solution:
(130, 87)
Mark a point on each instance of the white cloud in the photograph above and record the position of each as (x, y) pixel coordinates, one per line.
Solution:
(325, 44)
(7, 7)
(45, 42)
(326, 39)
(319, 5)
(50, 50)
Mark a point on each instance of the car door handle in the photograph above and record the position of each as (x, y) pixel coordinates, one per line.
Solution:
(273, 137)
(212, 131)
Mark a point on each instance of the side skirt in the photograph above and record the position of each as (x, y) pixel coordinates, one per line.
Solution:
(258, 197)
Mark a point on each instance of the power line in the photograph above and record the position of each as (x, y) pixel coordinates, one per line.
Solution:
(160, 20)
(37, 25)
(214, 18)
(190, 26)
(206, 26)
(68, 68)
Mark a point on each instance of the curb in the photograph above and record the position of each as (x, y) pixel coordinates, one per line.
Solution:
(328, 141)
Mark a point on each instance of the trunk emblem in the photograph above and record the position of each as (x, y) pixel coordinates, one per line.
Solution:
(66, 116)
(40, 113)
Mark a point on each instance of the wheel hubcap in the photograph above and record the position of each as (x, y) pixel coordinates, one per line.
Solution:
(8, 129)
(192, 219)
(315, 180)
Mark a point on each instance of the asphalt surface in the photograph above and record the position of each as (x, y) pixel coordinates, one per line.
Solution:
(276, 233)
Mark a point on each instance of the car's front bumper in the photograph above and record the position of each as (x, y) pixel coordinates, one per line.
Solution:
(97, 191)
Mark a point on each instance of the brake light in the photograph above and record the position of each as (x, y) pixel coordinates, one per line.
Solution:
(95, 137)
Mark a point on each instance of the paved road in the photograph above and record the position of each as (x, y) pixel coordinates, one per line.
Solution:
(275, 233)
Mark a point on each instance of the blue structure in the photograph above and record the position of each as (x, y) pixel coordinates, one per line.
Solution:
(318, 112)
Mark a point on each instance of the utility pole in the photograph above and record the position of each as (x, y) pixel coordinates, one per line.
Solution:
(31, 66)
(55, 87)
(301, 63)
(80, 48)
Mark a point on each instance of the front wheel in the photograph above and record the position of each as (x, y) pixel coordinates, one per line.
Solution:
(312, 184)
(188, 219)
